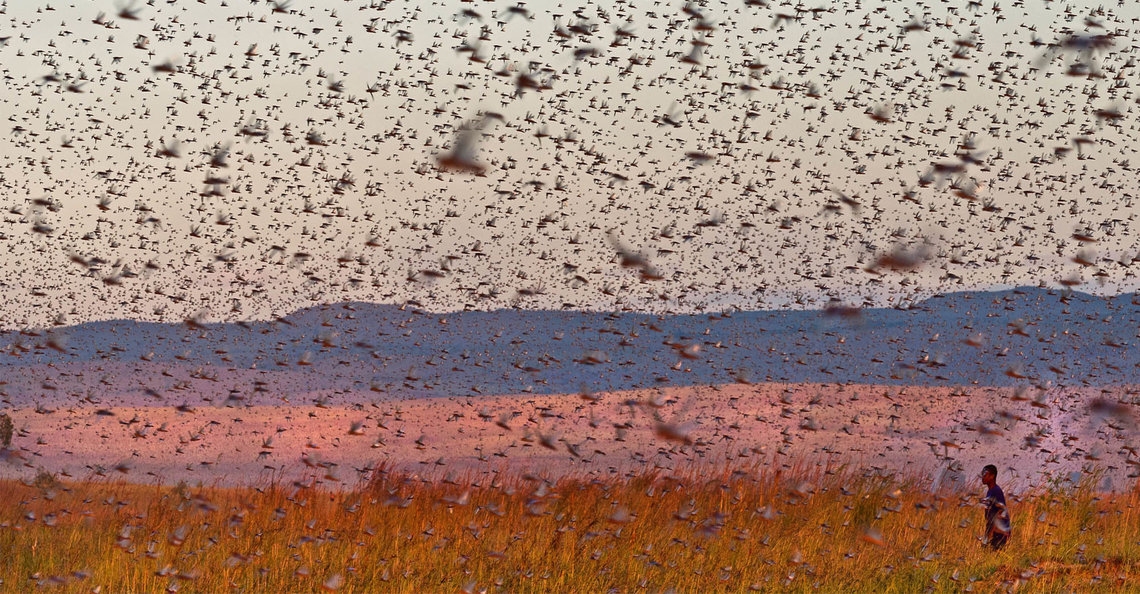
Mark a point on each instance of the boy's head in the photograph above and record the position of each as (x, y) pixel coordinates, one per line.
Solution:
(989, 474)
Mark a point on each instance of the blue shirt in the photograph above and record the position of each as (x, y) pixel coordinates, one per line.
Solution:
(995, 510)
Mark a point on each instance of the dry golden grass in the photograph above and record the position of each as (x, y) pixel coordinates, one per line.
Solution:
(801, 529)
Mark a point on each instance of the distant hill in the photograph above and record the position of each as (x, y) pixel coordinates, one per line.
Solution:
(1014, 337)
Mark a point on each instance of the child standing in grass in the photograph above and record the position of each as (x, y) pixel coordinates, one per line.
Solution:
(997, 514)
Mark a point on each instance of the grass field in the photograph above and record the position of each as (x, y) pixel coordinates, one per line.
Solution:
(740, 529)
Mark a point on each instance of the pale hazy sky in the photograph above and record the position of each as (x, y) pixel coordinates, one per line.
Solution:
(739, 156)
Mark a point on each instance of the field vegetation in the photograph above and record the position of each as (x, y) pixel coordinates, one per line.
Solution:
(733, 530)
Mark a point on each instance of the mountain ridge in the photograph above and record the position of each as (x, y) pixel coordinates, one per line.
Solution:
(1025, 335)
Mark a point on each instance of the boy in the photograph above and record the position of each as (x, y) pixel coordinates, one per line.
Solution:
(997, 514)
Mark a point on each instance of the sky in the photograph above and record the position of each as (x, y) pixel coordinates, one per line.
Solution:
(227, 161)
